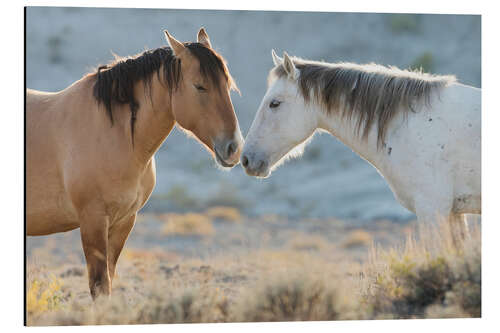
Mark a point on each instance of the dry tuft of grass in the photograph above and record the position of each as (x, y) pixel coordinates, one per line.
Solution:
(189, 224)
(43, 296)
(357, 238)
(133, 254)
(429, 278)
(223, 213)
(196, 305)
(305, 242)
(297, 298)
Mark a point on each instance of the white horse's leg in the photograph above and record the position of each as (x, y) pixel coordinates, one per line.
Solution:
(432, 210)
(459, 228)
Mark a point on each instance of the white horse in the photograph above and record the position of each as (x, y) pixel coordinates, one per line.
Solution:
(421, 132)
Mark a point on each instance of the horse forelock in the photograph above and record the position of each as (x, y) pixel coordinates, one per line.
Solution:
(372, 93)
(212, 65)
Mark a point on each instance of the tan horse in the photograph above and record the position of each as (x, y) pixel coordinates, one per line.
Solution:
(90, 147)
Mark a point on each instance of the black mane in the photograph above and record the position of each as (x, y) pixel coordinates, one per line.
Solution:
(115, 82)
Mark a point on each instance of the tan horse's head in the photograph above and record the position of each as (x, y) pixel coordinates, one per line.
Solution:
(201, 104)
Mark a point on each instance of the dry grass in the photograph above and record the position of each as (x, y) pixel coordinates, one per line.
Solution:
(426, 277)
(357, 238)
(133, 254)
(227, 214)
(296, 297)
(190, 224)
(305, 242)
(430, 277)
(43, 295)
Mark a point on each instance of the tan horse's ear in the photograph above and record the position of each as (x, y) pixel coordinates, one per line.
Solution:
(176, 46)
(276, 59)
(203, 38)
(289, 66)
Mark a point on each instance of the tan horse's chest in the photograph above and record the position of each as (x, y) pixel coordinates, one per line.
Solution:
(125, 201)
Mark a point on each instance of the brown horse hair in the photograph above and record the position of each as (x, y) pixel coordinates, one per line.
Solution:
(115, 81)
(373, 93)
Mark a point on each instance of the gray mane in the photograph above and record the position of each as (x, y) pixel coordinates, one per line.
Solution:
(372, 93)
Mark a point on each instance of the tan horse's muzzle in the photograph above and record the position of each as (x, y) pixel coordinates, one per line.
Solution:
(228, 151)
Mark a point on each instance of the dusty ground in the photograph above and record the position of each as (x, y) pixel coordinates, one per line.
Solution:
(218, 266)
(229, 254)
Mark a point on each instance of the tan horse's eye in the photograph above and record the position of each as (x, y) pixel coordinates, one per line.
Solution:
(200, 88)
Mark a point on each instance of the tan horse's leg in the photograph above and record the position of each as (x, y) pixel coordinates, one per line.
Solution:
(94, 233)
(116, 240)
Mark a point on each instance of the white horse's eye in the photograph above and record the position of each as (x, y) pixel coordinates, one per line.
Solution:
(274, 104)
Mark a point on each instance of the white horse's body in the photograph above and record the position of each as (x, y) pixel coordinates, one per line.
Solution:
(431, 158)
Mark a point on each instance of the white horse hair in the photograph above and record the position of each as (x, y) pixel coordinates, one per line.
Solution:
(421, 132)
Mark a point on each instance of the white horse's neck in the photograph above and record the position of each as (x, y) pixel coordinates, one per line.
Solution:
(344, 129)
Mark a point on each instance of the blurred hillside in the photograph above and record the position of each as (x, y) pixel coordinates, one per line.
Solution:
(330, 180)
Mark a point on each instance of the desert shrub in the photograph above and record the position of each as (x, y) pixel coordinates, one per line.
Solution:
(424, 62)
(228, 214)
(357, 238)
(305, 242)
(43, 296)
(191, 306)
(190, 224)
(296, 299)
(421, 283)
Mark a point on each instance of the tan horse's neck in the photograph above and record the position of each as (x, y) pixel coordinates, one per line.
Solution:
(155, 119)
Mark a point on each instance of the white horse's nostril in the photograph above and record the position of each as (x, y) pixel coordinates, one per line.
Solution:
(261, 165)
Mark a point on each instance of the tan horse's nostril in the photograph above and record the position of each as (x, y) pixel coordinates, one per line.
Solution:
(244, 161)
(231, 149)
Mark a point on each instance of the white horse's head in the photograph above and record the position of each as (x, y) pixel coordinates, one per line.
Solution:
(282, 125)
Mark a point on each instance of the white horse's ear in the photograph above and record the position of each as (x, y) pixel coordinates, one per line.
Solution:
(289, 66)
(176, 46)
(276, 59)
(203, 38)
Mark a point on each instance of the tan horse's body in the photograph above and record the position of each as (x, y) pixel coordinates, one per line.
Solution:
(65, 168)
(81, 172)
